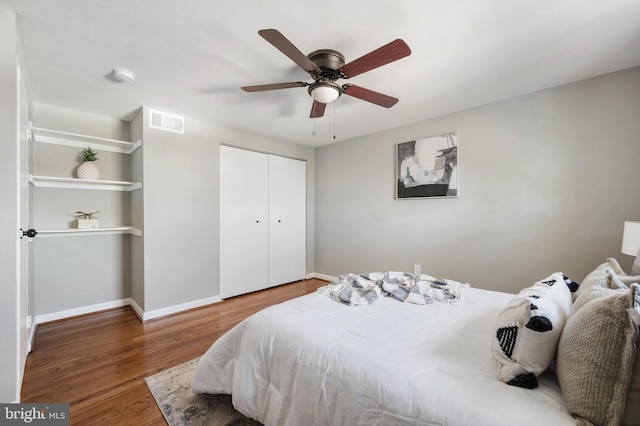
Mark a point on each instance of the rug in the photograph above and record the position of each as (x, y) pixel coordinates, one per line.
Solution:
(181, 407)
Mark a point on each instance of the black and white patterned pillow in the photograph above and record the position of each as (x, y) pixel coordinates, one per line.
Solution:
(528, 330)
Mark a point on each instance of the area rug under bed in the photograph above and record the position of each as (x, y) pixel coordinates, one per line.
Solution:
(181, 407)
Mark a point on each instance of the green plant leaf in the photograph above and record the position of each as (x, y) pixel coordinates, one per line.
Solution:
(89, 154)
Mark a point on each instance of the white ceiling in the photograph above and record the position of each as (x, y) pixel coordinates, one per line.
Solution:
(191, 57)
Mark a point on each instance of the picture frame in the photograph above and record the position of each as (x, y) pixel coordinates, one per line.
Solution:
(428, 167)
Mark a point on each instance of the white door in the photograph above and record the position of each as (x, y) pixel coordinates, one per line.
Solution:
(244, 235)
(287, 220)
(23, 246)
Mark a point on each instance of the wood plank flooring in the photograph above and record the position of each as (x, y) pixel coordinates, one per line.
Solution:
(97, 363)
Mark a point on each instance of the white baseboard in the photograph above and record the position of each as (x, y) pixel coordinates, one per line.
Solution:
(169, 310)
(321, 276)
(32, 337)
(137, 310)
(54, 316)
(140, 313)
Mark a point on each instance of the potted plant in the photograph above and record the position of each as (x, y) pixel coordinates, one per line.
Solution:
(88, 168)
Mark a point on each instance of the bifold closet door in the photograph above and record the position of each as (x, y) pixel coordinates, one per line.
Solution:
(244, 216)
(287, 220)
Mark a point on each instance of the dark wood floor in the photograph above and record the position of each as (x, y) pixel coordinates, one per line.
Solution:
(97, 363)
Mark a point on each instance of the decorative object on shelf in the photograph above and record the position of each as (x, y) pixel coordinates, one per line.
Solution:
(88, 169)
(87, 220)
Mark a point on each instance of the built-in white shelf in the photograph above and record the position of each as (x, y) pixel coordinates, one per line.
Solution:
(83, 141)
(95, 231)
(74, 183)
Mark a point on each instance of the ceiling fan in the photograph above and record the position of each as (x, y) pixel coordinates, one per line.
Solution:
(326, 66)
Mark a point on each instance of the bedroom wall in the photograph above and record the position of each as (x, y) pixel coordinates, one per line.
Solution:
(9, 389)
(180, 236)
(75, 272)
(546, 181)
(137, 212)
(8, 216)
(177, 260)
(181, 208)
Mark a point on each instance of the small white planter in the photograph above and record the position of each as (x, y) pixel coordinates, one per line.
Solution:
(88, 170)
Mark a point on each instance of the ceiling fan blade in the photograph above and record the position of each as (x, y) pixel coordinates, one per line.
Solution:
(369, 95)
(275, 86)
(281, 43)
(390, 52)
(317, 109)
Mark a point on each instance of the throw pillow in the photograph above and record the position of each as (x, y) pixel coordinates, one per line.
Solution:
(601, 277)
(631, 416)
(528, 330)
(596, 353)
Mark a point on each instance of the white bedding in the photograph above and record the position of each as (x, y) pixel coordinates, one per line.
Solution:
(313, 361)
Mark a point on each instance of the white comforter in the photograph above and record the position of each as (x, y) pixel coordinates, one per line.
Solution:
(312, 361)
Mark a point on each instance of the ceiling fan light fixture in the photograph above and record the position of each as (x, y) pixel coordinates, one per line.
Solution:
(325, 92)
(326, 66)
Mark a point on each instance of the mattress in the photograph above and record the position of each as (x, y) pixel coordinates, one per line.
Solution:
(314, 361)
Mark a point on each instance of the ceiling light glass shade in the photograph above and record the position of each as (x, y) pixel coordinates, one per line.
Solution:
(325, 93)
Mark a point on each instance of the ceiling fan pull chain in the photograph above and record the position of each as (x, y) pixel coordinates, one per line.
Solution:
(334, 120)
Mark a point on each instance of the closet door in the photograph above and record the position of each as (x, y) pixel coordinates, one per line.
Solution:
(244, 235)
(287, 220)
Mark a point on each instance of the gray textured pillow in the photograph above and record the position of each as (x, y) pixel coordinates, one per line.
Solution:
(635, 269)
(631, 415)
(596, 354)
(601, 277)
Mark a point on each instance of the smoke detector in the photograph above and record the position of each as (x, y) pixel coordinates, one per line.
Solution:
(123, 76)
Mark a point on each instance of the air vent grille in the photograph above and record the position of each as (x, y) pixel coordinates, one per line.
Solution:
(164, 121)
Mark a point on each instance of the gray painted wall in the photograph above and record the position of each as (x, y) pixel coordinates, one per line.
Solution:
(8, 217)
(181, 208)
(546, 182)
(180, 239)
(539, 176)
(75, 272)
(177, 260)
(137, 213)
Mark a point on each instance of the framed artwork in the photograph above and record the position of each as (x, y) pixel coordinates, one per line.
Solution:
(428, 167)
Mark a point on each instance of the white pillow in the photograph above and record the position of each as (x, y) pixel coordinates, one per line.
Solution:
(528, 330)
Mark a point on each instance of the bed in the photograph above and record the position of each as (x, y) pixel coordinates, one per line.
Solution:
(314, 361)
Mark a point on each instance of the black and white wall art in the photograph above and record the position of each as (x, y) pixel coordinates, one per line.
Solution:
(428, 167)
